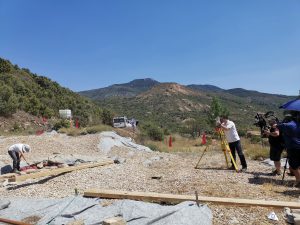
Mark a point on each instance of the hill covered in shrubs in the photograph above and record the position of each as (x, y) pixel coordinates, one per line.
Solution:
(22, 90)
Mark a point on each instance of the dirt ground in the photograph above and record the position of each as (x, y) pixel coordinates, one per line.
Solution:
(173, 172)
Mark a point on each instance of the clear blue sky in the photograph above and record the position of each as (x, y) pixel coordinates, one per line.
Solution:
(91, 44)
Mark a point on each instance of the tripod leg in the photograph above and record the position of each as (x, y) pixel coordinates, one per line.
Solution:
(196, 167)
(233, 161)
(226, 158)
(284, 169)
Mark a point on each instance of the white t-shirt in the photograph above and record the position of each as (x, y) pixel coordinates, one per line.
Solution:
(16, 148)
(231, 134)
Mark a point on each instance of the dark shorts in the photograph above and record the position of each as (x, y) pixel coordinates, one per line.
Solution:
(294, 158)
(275, 153)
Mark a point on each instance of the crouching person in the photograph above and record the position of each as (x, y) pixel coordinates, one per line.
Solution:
(16, 152)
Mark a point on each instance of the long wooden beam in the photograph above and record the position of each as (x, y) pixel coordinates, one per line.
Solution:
(13, 222)
(7, 175)
(54, 172)
(170, 198)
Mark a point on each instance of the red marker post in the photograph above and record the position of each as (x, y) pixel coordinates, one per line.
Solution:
(170, 141)
(203, 139)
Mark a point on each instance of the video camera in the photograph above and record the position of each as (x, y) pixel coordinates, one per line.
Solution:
(260, 121)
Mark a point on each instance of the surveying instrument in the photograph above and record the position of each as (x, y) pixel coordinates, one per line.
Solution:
(225, 149)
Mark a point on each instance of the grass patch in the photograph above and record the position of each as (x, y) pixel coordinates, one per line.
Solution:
(256, 151)
(179, 144)
(98, 128)
(154, 147)
(70, 131)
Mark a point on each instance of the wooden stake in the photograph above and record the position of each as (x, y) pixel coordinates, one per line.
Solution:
(14, 222)
(59, 171)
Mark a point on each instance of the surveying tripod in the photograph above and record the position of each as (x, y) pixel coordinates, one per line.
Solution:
(225, 149)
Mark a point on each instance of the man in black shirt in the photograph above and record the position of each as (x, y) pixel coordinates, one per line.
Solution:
(276, 145)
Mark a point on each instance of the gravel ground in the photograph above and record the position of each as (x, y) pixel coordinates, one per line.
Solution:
(172, 173)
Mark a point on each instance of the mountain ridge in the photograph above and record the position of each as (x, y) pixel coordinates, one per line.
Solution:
(171, 104)
(143, 84)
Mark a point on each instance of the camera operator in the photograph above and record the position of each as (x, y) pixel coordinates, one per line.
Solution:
(276, 145)
(291, 135)
(233, 140)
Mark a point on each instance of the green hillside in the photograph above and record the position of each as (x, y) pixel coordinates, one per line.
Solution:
(37, 95)
(183, 108)
(129, 89)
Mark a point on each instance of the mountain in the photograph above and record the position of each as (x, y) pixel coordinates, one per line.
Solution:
(176, 106)
(165, 104)
(130, 89)
(205, 87)
(259, 98)
(21, 90)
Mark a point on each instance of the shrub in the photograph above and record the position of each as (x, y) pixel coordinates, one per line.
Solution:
(61, 124)
(255, 139)
(70, 131)
(97, 129)
(153, 132)
(153, 147)
(5, 66)
(242, 133)
(107, 117)
(16, 126)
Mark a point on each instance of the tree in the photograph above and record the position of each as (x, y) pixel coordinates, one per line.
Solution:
(216, 110)
(107, 117)
(5, 66)
(8, 101)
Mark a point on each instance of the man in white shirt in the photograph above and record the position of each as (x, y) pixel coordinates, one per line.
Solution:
(233, 140)
(16, 152)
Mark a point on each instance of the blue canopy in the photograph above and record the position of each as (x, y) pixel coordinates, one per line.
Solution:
(293, 105)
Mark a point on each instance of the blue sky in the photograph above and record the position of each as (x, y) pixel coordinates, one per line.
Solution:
(91, 44)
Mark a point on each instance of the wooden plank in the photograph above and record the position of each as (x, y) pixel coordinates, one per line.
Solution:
(170, 198)
(59, 171)
(7, 175)
(14, 222)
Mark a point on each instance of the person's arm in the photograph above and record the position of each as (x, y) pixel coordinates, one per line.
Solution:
(21, 154)
(273, 134)
(226, 127)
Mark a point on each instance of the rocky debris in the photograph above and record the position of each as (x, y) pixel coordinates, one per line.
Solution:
(110, 139)
(118, 160)
(176, 169)
(114, 221)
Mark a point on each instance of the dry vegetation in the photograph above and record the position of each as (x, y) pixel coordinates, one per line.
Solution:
(255, 151)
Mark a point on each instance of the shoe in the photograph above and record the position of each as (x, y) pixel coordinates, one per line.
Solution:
(243, 170)
(276, 173)
(15, 171)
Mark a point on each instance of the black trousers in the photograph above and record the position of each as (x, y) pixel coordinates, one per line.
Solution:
(236, 146)
(16, 159)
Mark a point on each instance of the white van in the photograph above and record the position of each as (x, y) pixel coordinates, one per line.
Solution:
(121, 121)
